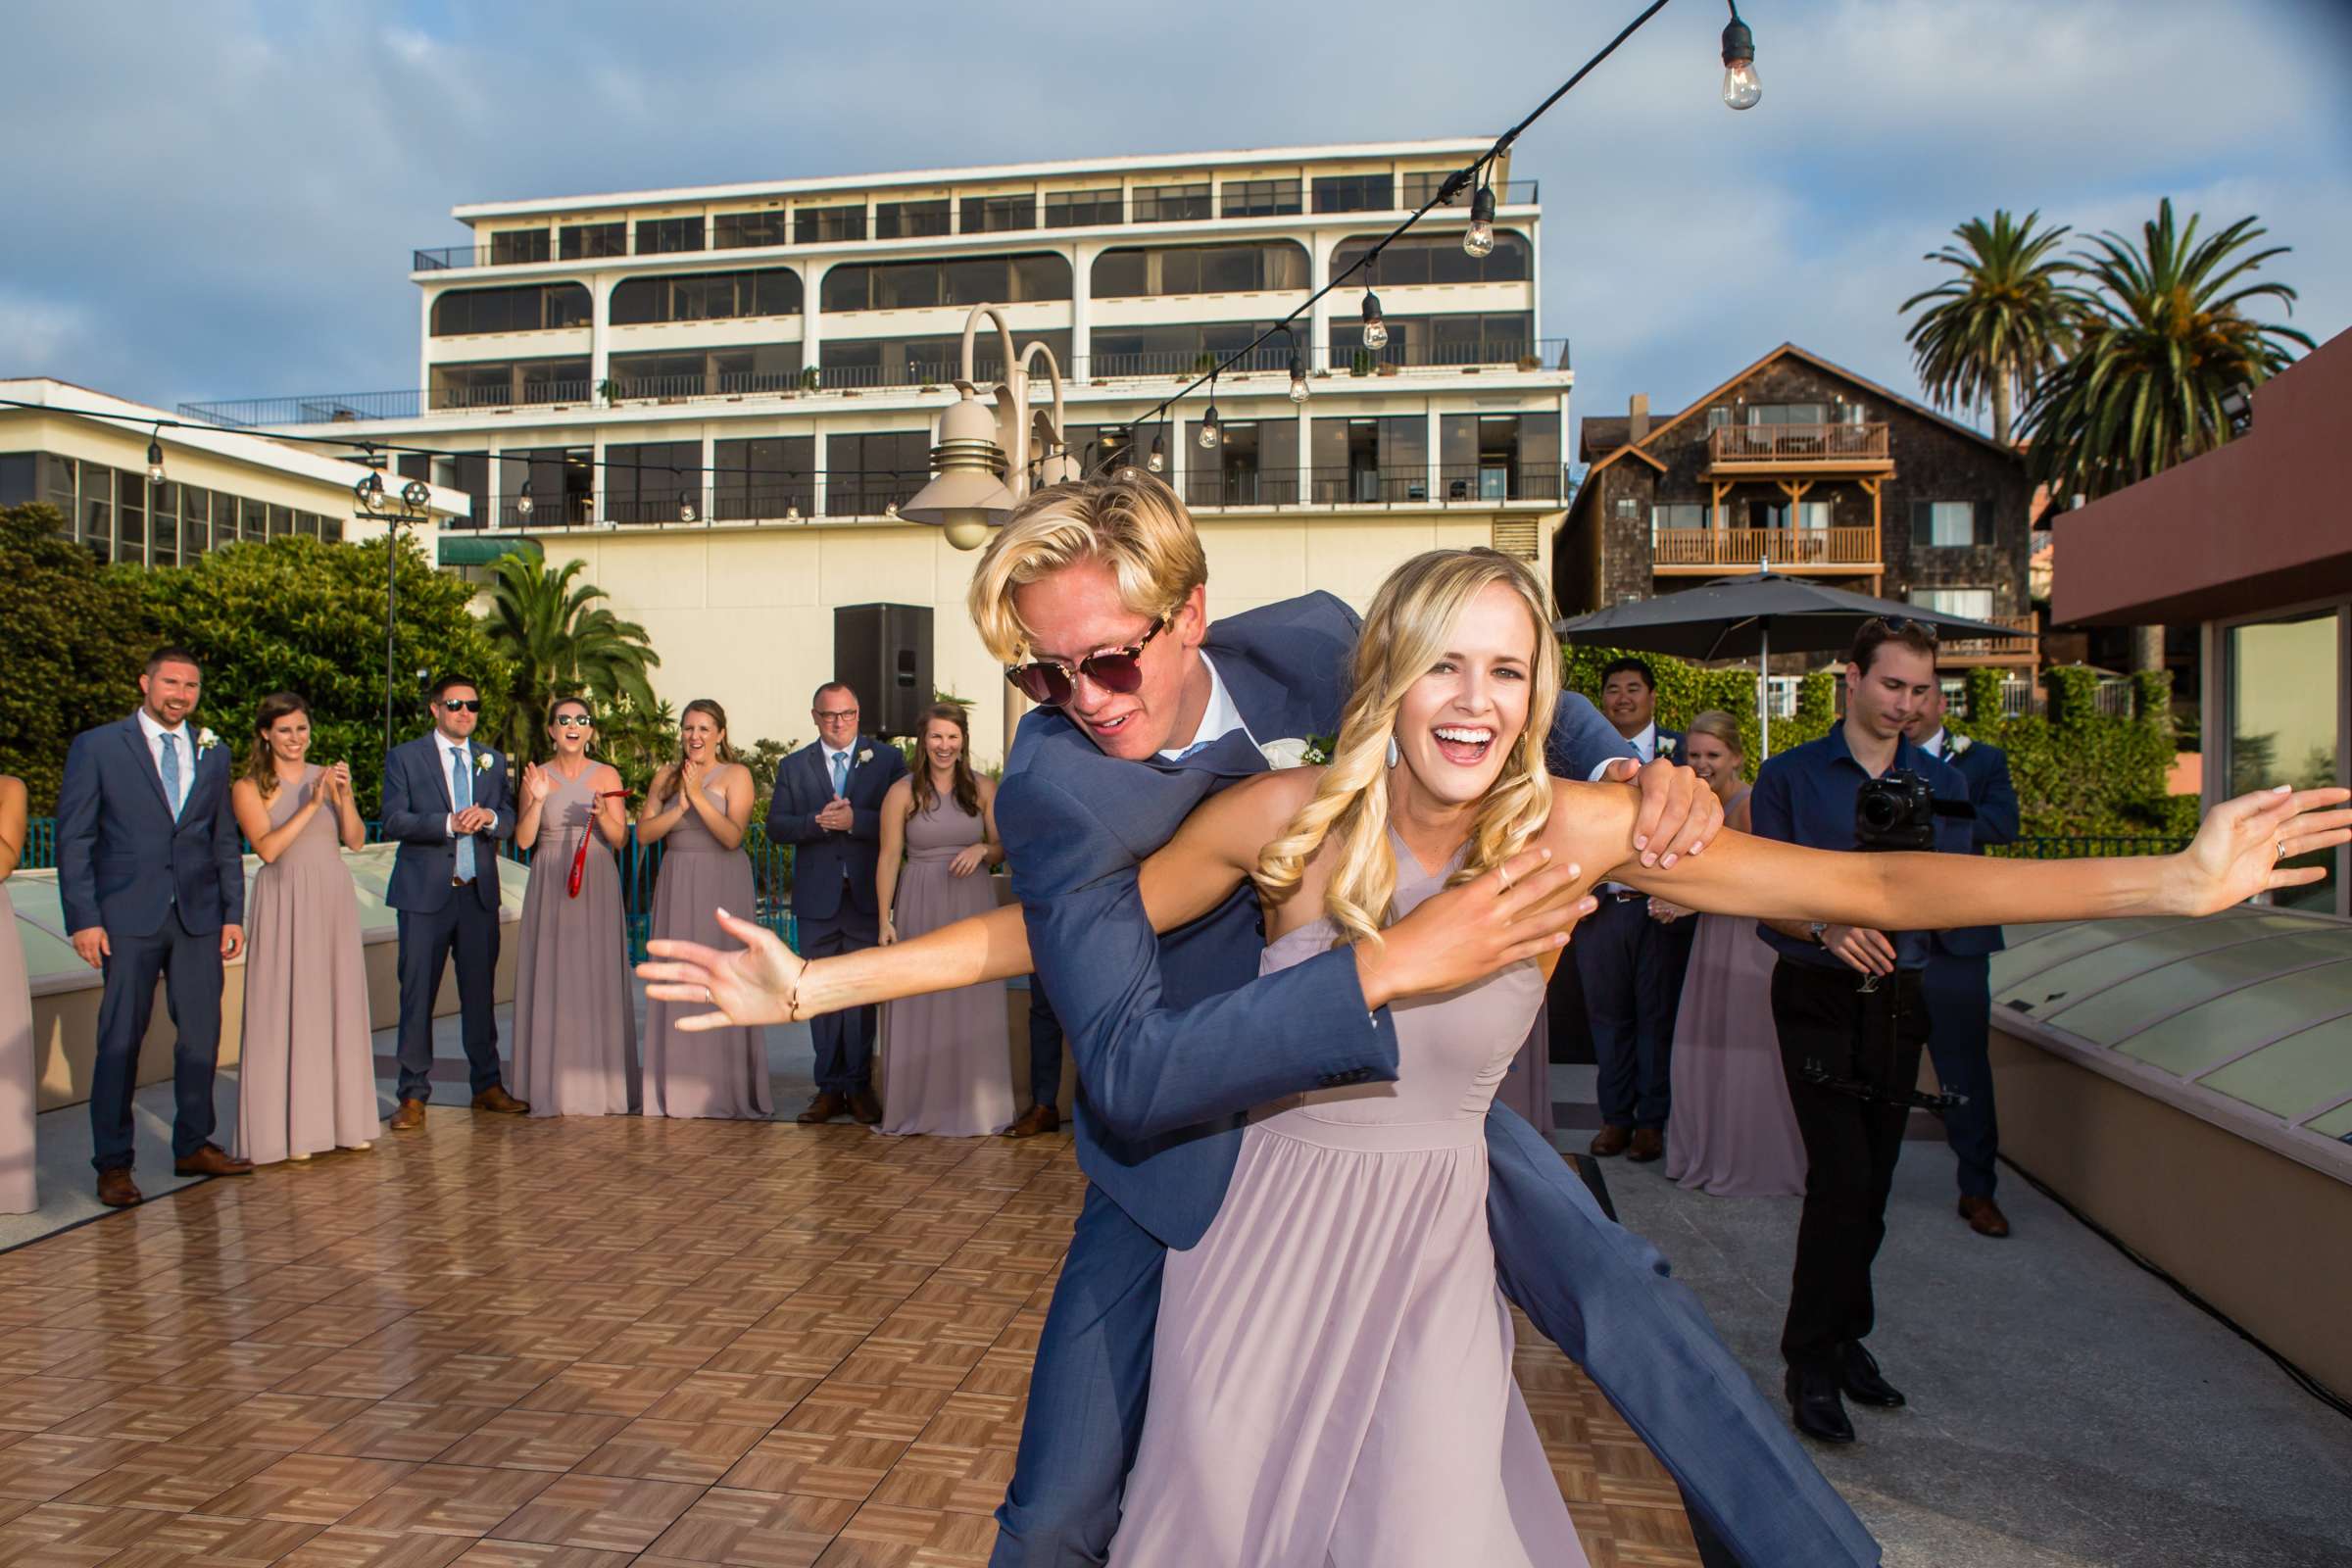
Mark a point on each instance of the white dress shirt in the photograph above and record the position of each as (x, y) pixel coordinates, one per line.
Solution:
(1646, 742)
(1218, 719)
(1935, 744)
(154, 733)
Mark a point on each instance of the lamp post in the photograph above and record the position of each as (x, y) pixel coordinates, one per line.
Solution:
(410, 504)
(983, 456)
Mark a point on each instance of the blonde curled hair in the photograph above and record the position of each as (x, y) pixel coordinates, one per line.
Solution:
(1135, 525)
(1404, 634)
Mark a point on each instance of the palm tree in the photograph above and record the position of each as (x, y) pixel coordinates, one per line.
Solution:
(561, 642)
(1994, 328)
(2163, 337)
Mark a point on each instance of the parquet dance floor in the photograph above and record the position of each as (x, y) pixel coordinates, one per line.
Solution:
(582, 1344)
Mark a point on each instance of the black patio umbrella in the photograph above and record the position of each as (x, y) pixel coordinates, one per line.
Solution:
(1744, 618)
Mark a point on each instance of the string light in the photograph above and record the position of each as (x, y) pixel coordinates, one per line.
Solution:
(1741, 88)
(155, 456)
(1376, 330)
(1210, 434)
(685, 509)
(1298, 387)
(1479, 239)
(1159, 455)
(523, 502)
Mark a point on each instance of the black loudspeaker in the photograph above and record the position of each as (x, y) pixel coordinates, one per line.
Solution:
(884, 653)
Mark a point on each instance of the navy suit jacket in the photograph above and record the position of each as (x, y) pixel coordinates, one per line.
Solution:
(804, 784)
(1987, 768)
(418, 806)
(121, 861)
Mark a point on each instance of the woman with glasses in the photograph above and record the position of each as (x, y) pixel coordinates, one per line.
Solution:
(698, 808)
(306, 1069)
(16, 1196)
(946, 1067)
(576, 1028)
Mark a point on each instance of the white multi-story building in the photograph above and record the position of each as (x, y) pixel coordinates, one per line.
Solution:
(772, 361)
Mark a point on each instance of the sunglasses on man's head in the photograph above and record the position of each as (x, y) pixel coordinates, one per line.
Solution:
(462, 704)
(1115, 669)
(1899, 624)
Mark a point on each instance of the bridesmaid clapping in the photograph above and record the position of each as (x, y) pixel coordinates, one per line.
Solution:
(701, 805)
(305, 1072)
(575, 1027)
(15, 1019)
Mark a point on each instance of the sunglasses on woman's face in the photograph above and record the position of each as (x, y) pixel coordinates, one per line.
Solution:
(575, 721)
(462, 704)
(1115, 669)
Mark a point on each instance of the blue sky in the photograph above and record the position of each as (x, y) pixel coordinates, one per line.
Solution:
(225, 198)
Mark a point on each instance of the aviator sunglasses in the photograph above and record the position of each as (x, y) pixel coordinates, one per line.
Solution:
(1115, 669)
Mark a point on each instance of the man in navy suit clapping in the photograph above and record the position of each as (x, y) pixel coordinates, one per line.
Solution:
(152, 879)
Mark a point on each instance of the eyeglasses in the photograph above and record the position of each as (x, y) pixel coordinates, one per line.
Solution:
(829, 714)
(1900, 624)
(1115, 669)
(573, 721)
(462, 704)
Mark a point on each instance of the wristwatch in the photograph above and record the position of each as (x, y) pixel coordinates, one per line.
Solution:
(1814, 929)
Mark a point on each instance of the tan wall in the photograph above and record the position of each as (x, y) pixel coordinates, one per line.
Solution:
(2241, 1226)
(745, 614)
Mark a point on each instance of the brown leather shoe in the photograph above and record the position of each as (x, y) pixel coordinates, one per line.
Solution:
(212, 1160)
(1984, 1217)
(864, 1106)
(496, 1098)
(823, 1108)
(1648, 1145)
(1035, 1120)
(409, 1117)
(1611, 1141)
(116, 1189)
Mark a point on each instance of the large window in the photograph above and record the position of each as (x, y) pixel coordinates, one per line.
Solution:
(735, 231)
(1184, 346)
(97, 521)
(646, 481)
(1074, 209)
(1434, 259)
(1137, 272)
(706, 297)
(1371, 462)
(1355, 193)
(530, 309)
(1500, 457)
(1679, 515)
(1948, 524)
(1974, 603)
(1171, 204)
(922, 361)
(584, 240)
(912, 220)
(823, 226)
(1258, 198)
(504, 383)
(1472, 337)
(867, 474)
(20, 480)
(1256, 463)
(563, 481)
(664, 236)
(911, 286)
(991, 214)
(2284, 686)
(514, 246)
(764, 478)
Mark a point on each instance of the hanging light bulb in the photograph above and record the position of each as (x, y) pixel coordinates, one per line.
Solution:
(523, 502)
(1159, 455)
(892, 511)
(1376, 330)
(154, 461)
(1298, 390)
(685, 509)
(1741, 88)
(1479, 239)
(1210, 433)
(792, 512)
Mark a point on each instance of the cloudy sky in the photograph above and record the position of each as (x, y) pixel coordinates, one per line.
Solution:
(222, 197)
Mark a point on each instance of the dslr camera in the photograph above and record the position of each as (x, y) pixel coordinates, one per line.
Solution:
(1895, 812)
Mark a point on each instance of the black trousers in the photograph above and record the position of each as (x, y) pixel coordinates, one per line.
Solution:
(463, 930)
(189, 964)
(1873, 1038)
(1960, 1019)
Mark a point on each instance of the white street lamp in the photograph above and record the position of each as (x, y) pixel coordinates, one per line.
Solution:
(983, 457)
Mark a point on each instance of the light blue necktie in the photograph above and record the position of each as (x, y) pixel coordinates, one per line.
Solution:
(171, 771)
(461, 790)
(840, 773)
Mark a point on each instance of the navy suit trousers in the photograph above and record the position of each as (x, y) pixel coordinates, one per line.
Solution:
(1626, 962)
(844, 1040)
(461, 928)
(189, 966)
(1045, 1050)
(1959, 994)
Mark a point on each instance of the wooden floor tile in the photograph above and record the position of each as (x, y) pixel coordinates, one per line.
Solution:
(754, 1529)
(605, 1514)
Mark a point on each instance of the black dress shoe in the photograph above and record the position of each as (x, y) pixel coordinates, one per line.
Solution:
(1858, 1374)
(1814, 1405)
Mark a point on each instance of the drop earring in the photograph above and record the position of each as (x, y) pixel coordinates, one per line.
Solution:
(1393, 756)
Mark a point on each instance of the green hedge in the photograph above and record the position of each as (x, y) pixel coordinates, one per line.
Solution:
(2079, 772)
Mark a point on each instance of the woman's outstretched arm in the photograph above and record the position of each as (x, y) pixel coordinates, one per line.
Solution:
(2236, 853)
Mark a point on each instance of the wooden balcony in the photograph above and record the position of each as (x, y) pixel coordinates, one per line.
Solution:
(2023, 650)
(1735, 450)
(1709, 552)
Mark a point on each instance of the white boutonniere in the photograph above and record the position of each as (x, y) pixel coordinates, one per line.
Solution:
(1295, 752)
(865, 757)
(206, 740)
(1957, 744)
(1665, 746)
(482, 761)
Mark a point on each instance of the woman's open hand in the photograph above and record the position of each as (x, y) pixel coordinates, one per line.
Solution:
(2239, 848)
(757, 984)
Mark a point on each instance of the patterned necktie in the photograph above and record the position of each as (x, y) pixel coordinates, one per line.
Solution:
(840, 773)
(170, 770)
(461, 790)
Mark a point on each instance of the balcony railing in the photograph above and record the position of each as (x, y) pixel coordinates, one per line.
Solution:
(534, 247)
(1793, 547)
(1265, 368)
(2023, 648)
(1767, 446)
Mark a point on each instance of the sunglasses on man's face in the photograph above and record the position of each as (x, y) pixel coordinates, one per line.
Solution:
(462, 704)
(1115, 669)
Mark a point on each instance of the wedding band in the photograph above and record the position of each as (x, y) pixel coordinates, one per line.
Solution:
(1502, 874)
(2281, 845)
(707, 998)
